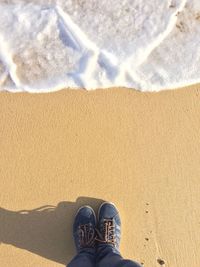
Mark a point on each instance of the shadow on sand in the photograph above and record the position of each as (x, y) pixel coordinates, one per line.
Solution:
(45, 231)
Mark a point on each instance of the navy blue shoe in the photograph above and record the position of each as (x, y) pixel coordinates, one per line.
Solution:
(84, 229)
(109, 226)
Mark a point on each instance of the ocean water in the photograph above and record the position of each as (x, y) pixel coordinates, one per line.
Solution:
(147, 45)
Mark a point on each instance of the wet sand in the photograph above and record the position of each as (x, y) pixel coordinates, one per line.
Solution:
(139, 150)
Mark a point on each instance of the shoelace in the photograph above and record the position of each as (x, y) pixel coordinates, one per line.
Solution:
(108, 235)
(86, 236)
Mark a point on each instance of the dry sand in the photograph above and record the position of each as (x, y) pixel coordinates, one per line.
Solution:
(65, 149)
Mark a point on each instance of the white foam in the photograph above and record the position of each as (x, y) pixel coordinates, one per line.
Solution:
(146, 45)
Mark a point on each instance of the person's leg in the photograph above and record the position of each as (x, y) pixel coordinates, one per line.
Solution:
(109, 232)
(84, 238)
(83, 259)
(109, 258)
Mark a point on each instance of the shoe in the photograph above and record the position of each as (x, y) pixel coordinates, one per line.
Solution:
(84, 229)
(109, 226)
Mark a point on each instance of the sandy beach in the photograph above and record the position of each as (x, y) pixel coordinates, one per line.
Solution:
(139, 150)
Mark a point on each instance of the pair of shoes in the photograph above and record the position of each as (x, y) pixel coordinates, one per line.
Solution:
(90, 233)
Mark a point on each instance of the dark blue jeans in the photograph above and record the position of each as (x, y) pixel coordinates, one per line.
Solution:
(105, 257)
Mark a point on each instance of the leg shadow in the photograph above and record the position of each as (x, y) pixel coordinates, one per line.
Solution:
(45, 231)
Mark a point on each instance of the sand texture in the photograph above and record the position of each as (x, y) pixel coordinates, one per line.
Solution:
(64, 149)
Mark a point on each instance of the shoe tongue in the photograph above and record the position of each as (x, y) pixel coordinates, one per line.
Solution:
(87, 236)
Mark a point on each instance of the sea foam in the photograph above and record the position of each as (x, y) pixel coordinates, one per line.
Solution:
(147, 45)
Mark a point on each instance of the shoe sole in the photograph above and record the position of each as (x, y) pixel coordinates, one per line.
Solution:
(106, 202)
(86, 206)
